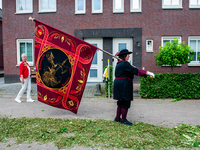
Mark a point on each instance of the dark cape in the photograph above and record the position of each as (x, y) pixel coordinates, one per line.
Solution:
(123, 83)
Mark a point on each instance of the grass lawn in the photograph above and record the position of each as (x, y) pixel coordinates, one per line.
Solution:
(98, 133)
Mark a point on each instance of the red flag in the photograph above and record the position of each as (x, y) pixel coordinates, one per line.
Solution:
(62, 65)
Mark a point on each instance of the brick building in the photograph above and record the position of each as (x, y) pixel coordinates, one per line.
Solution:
(138, 25)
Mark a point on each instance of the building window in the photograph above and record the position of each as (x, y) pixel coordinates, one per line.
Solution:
(166, 39)
(118, 6)
(25, 46)
(47, 6)
(136, 5)
(194, 4)
(194, 43)
(24, 6)
(80, 6)
(0, 4)
(149, 45)
(96, 69)
(97, 6)
(172, 4)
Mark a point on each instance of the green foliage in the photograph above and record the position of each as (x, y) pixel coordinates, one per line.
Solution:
(110, 80)
(173, 54)
(171, 85)
(98, 133)
(199, 57)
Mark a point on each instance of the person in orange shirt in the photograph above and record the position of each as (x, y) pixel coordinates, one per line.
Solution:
(25, 73)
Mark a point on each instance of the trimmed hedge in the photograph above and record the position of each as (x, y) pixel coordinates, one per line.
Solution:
(171, 85)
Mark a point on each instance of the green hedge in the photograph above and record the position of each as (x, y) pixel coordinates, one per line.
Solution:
(171, 85)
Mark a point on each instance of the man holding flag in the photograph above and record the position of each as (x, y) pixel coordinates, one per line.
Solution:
(62, 66)
(123, 85)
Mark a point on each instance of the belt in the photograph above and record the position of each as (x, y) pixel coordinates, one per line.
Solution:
(121, 78)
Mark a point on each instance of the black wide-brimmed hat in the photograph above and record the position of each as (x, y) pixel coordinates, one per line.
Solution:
(124, 51)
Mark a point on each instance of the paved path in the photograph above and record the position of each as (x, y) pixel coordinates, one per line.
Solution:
(152, 111)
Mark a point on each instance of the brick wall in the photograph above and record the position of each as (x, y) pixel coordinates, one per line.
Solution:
(154, 21)
(182, 22)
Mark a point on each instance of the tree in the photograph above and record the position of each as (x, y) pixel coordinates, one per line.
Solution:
(173, 54)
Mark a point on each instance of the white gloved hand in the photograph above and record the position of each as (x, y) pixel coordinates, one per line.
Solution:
(150, 74)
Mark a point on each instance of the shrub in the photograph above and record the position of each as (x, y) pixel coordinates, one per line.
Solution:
(171, 85)
(173, 54)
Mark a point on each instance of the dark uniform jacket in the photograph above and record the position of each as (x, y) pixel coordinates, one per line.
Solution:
(123, 83)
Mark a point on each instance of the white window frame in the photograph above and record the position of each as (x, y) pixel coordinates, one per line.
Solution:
(172, 6)
(147, 48)
(80, 11)
(0, 4)
(136, 10)
(23, 11)
(193, 63)
(97, 11)
(31, 63)
(194, 6)
(99, 65)
(170, 38)
(118, 10)
(46, 10)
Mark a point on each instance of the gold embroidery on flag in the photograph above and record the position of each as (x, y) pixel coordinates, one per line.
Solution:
(71, 103)
(45, 97)
(80, 81)
(40, 95)
(56, 36)
(46, 47)
(38, 30)
(62, 38)
(83, 49)
(63, 89)
(71, 59)
(82, 75)
(68, 42)
(78, 87)
(49, 77)
(38, 77)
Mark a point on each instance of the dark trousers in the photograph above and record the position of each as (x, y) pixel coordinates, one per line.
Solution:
(124, 104)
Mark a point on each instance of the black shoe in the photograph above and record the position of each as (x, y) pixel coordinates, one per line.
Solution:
(126, 122)
(117, 120)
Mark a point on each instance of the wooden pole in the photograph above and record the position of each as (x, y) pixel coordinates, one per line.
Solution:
(109, 54)
(112, 55)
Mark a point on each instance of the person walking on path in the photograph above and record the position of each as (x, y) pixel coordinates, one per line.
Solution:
(123, 85)
(25, 78)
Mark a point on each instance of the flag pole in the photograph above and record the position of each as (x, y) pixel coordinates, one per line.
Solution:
(109, 53)
(112, 55)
